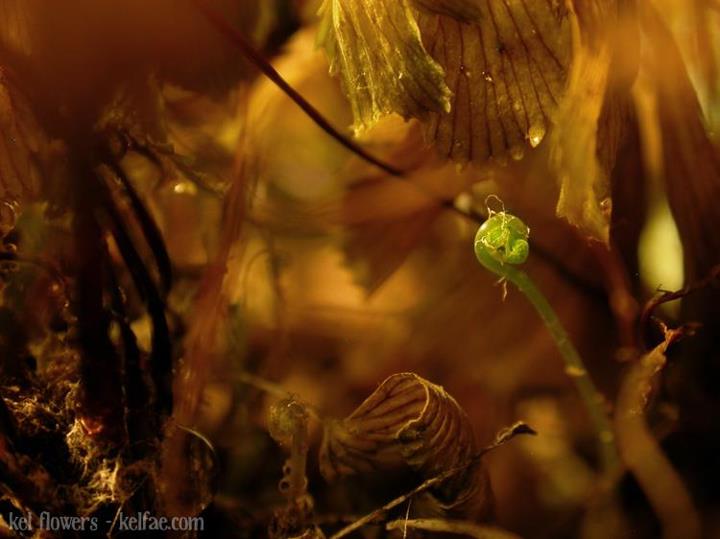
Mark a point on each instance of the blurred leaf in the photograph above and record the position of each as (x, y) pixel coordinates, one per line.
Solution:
(376, 48)
(386, 219)
(21, 143)
(506, 72)
(701, 46)
(14, 27)
(85, 50)
(376, 250)
(691, 162)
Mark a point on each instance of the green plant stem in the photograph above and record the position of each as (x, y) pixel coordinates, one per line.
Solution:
(574, 366)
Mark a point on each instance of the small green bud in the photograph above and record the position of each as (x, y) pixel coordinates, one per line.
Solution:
(505, 238)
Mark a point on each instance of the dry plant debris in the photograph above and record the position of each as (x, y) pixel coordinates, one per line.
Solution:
(207, 206)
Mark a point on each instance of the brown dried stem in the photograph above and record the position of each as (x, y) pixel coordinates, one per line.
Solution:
(641, 453)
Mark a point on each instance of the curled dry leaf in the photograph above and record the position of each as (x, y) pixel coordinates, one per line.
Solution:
(411, 422)
(506, 71)
(376, 48)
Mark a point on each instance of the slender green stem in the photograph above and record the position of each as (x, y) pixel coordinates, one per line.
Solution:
(500, 244)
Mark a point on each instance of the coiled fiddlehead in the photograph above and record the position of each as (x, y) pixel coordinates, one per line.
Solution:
(501, 244)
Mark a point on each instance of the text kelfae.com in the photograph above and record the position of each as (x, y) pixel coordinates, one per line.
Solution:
(141, 521)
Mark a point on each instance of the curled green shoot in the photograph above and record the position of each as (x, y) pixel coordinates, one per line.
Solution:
(501, 244)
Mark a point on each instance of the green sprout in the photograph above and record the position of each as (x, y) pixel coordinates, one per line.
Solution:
(501, 243)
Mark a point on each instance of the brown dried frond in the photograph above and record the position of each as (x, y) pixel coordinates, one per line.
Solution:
(410, 422)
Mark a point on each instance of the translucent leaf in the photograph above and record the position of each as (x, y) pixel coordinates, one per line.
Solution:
(591, 120)
(464, 10)
(375, 47)
(506, 72)
(583, 182)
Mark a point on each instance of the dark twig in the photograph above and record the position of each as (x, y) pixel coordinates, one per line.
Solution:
(665, 296)
(149, 227)
(161, 359)
(138, 422)
(233, 35)
(100, 365)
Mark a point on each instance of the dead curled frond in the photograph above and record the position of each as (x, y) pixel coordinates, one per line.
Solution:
(411, 422)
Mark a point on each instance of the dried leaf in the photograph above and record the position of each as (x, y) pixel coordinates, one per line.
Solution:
(376, 48)
(409, 421)
(464, 10)
(506, 72)
(583, 182)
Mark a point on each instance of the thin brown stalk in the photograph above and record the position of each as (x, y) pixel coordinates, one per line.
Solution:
(641, 452)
